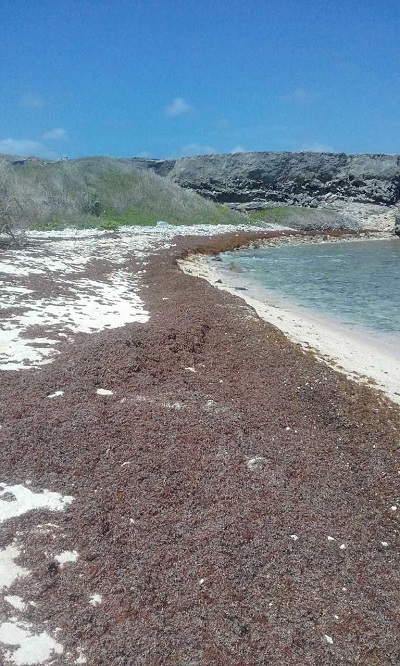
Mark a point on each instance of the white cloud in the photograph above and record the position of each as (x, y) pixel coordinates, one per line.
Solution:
(26, 147)
(177, 107)
(238, 149)
(317, 148)
(298, 96)
(197, 149)
(20, 146)
(57, 134)
(33, 101)
(38, 147)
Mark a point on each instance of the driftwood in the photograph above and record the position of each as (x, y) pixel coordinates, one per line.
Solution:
(6, 221)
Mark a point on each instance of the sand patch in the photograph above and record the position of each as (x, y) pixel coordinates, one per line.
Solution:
(21, 642)
(48, 288)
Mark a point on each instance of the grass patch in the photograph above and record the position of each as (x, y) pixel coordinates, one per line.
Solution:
(298, 217)
(54, 223)
(276, 214)
(108, 225)
(127, 218)
(106, 193)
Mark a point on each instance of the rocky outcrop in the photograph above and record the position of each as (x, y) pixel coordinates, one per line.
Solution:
(248, 181)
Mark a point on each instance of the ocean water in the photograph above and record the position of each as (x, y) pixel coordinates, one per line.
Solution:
(355, 282)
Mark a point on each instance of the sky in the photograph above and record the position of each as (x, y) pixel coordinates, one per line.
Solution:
(172, 78)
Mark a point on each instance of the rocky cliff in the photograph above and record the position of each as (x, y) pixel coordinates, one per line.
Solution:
(255, 180)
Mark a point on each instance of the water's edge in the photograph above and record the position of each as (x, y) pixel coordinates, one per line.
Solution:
(361, 355)
(355, 283)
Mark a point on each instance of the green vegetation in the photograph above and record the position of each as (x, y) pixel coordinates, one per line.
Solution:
(103, 193)
(107, 193)
(276, 214)
(268, 214)
(296, 217)
(52, 223)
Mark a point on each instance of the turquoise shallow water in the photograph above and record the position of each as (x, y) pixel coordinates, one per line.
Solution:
(356, 282)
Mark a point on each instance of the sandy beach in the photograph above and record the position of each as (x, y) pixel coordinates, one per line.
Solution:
(181, 483)
(362, 356)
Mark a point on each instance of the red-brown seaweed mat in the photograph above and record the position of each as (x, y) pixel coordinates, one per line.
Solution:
(206, 488)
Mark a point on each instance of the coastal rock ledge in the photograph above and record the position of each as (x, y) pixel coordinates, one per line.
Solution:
(247, 181)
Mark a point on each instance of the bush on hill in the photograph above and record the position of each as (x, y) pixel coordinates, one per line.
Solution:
(100, 192)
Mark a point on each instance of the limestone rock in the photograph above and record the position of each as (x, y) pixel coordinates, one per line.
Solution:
(250, 180)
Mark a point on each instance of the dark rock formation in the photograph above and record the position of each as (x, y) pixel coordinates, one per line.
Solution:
(254, 180)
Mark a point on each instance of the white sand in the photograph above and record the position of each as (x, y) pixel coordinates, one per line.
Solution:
(66, 556)
(30, 644)
(56, 394)
(359, 355)
(18, 500)
(9, 570)
(95, 599)
(85, 305)
(29, 647)
(15, 601)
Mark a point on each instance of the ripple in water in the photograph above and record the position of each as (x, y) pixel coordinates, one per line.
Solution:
(357, 282)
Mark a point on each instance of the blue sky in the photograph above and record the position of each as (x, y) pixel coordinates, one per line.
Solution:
(167, 78)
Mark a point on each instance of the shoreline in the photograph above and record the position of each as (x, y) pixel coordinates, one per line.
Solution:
(191, 485)
(365, 357)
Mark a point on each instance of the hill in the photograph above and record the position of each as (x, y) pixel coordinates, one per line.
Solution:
(299, 190)
(99, 191)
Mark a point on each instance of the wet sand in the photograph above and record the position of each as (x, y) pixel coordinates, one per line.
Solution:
(366, 357)
(218, 496)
